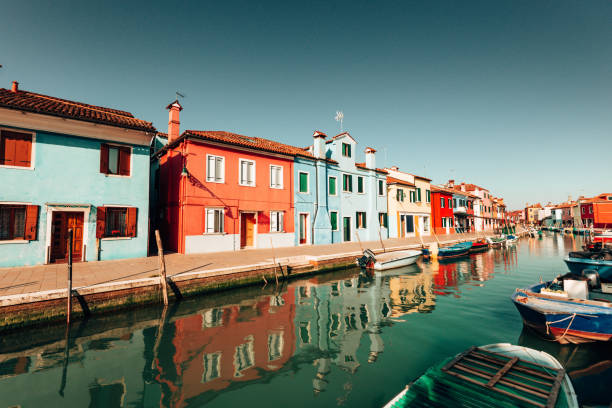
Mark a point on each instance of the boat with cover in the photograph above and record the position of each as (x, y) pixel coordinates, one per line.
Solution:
(496, 375)
(480, 245)
(387, 260)
(497, 242)
(511, 239)
(453, 251)
(598, 259)
(569, 309)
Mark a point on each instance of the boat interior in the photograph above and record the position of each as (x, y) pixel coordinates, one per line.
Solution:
(587, 289)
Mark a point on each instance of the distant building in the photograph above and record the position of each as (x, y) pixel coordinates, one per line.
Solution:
(409, 203)
(442, 217)
(596, 212)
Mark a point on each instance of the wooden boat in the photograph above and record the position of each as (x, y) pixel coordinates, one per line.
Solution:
(496, 242)
(388, 260)
(511, 239)
(496, 375)
(569, 309)
(604, 237)
(453, 251)
(480, 245)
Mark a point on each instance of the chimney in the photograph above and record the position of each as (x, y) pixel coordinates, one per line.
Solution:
(174, 122)
(318, 147)
(451, 184)
(394, 168)
(370, 155)
(15, 87)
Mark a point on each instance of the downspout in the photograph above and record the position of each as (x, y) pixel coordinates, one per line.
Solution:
(316, 204)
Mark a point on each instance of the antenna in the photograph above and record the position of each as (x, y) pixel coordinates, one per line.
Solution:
(339, 117)
(179, 95)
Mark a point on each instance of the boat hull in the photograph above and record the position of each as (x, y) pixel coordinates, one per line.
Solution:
(603, 268)
(397, 263)
(479, 248)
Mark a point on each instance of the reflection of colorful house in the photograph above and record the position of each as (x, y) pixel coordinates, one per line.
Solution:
(442, 217)
(70, 165)
(412, 293)
(409, 203)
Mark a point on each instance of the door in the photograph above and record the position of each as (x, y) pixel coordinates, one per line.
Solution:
(60, 224)
(247, 230)
(303, 228)
(410, 224)
(347, 229)
(402, 226)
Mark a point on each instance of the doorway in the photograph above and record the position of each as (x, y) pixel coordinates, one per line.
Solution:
(61, 222)
(347, 229)
(247, 230)
(303, 229)
(402, 229)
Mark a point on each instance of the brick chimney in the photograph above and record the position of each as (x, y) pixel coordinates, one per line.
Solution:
(15, 87)
(174, 122)
(370, 158)
(451, 184)
(394, 168)
(318, 147)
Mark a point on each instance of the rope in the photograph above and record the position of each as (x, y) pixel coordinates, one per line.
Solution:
(559, 321)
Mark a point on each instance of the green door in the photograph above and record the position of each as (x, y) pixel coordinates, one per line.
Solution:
(347, 229)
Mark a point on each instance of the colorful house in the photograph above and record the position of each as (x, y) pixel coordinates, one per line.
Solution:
(71, 165)
(531, 213)
(463, 208)
(221, 191)
(596, 212)
(442, 217)
(409, 203)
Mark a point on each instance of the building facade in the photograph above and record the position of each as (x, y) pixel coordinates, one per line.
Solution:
(409, 202)
(596, 212)
(442, 217)
(70, 165)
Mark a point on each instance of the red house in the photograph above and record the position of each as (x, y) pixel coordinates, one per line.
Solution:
(442, 218)
(221, 191)
(596, 212)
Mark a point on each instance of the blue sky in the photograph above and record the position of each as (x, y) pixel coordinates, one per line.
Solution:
(513, 95)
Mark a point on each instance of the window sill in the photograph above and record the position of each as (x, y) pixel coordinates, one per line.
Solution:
(277, 232)
(214, 233)
(8, 166)
(115, 238)
(117, 175)
(303, 192)
(276, 188)
(15, 241)
(246, 185)
(216, 182)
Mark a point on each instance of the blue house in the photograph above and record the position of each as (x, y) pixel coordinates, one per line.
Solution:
(70, 165)
(317, 196)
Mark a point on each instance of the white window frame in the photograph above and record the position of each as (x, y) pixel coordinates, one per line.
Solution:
(282, 221)
(337, 221)
(213, 180)
(280, 186)
(307, 182)
(253, 184)
(351, 183)
(336, 180)
(384, 187)
(222, 231)
(32, 153)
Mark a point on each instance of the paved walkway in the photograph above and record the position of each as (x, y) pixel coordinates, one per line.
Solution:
(29, 279)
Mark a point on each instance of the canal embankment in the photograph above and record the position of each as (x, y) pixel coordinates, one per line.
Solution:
(37, 294)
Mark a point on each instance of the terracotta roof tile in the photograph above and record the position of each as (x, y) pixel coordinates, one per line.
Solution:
(393, 180)
(363, 166)
(49, 105)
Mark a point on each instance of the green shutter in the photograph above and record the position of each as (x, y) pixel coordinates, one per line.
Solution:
(360, 184)
(303, 182)
(419, 195)
(428, 195)
(350, 183)
(333, 218)
(332, 186)
(348, 149)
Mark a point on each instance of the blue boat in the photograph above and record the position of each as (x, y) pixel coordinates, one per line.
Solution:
(453, 251)
(570, 309)
(599, 264)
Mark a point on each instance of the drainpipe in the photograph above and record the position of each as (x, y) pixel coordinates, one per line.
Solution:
(316, 204)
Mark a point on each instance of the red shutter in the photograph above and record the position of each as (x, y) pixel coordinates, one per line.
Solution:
(31, 222)
(8, 148)
(124, 161)
(104, 158)
(23, 149)
(132, 218)
(100, 221)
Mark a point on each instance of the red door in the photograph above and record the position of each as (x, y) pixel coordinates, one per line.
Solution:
(60, 224)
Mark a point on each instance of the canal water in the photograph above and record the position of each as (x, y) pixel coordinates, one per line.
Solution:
(338, 339)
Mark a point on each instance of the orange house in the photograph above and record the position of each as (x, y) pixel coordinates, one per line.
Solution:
(596, 212)
(221, 191)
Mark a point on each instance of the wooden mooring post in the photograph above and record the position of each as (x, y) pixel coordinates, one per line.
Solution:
(162, 268)
(69, 295)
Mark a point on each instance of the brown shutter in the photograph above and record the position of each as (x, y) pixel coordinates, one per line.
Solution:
(124, 161)
(132, 218)
(104, 158)
(100, 221)
(8, 149)
(31, 222)
(23, 147)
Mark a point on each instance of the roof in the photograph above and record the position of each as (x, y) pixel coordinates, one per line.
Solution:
(457, 190)
(440, 189)
(393, 180)
(339, 135)
(472, 187)
(49, 105)
(363, 166)
(601, 198)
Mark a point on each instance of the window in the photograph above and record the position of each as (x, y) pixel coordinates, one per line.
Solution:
(214, 220)
(442, 202)
(115, 160)
(425, 224)
(18, 222)
(582, 210)
(332, 186)
(381, 188)
(276, 221)
(276, 177)
(383, 220)
(409, 224)
(412, 196)
(212, 366)
(418, 194)
(450, 203)
(361, 219)
(359, 184)
(454, 203)
(116, 222)
(247, 173)
(399, 194)
(428, 195)
(15, 148)
(590, 209)
(215, 169)
(303, 182)
(347, 183)
(346, 150)
(333, 219)
(276, 344)
(443, 222)
(244, 356)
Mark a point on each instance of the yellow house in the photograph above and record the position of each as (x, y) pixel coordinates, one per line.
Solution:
(408, 204)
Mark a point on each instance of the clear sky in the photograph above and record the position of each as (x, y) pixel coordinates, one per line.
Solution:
(512, 95)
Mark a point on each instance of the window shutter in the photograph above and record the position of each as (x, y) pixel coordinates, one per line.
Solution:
(100, 221)
(219, 169)
(104, 158)
(8, 149)
(31, 222)
(273, 222)
(124, 161)
(132, 218)
(210, 221)
(210, 168)
(23, 148)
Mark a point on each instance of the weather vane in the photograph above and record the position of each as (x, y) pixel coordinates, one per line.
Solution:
(339, 117)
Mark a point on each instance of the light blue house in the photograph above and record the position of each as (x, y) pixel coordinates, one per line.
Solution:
(317, 196)
(361, 189)
(69, 165)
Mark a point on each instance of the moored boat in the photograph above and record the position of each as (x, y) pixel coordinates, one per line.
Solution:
(480, 245)
(388, 260)
(511, 239)
(496, 242)
(453, 251)
(495, 375)
(599, 261)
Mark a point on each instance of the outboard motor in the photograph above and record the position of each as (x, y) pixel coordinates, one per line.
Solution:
(367, 258)
(593, 277)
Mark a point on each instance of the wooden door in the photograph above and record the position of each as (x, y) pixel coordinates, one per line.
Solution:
(303, 228)
(402, 226)
(60, 224)
(347, 229)
(247, 229)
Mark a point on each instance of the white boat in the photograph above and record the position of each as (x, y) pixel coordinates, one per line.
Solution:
(388, 260)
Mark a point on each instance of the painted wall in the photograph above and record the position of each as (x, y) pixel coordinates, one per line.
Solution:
(67, 171)
(438, 212)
